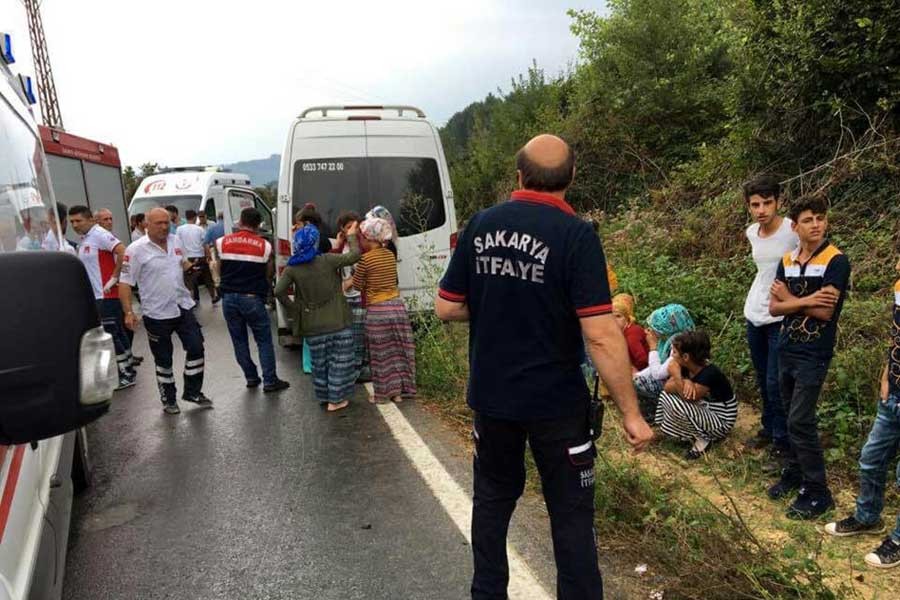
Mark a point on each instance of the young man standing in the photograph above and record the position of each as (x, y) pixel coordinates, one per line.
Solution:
(247, 268)
(877, 457)
(102, 253)
(771, 236)
(809, 291)
(191, 237)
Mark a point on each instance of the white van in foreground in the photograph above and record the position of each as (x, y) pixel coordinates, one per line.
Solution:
(196, 188)
(57, 365)
(357, 157)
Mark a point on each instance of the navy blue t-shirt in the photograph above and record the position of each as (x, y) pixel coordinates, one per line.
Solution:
(528, 269)
(827, 266)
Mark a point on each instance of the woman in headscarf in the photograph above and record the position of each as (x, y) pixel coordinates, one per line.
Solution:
(635, 336)
(392, 350)
(321, 314)
(664, 324)
(380, 212)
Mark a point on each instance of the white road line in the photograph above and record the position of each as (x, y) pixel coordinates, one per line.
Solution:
(456, 502)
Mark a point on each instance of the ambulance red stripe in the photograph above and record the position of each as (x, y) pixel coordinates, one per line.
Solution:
(9, 490)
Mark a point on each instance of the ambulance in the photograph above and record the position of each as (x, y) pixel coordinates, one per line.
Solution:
(358, 157)
(187, 188)
(57, 365)
(88, 173)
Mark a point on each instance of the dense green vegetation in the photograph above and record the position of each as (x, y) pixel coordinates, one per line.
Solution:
(673, 104)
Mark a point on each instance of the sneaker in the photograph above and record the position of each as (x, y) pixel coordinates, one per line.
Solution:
(887, 555)
(784, 486)
(699, 448)
(758, 441)
(810, 506)
(125, 381)
(276, 385)
(850, 526)
(253, 383)
(200, 400)
(171, 408)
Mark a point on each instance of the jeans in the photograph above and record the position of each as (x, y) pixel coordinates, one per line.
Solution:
(113, 320)
(247, 310)
(875, 460)
(801, 378)
(564, 455)
(763, 342)
(159, 334)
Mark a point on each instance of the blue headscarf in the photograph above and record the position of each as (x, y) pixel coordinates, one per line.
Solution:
(669, 321)
(306, 245)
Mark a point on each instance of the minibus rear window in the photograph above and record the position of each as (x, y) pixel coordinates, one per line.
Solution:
(408, 187)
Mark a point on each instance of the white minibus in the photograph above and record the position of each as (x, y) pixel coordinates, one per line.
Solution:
(357, 157)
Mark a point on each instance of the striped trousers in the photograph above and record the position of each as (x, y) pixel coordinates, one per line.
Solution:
(334, 367)
(392, 349)
(689, 421)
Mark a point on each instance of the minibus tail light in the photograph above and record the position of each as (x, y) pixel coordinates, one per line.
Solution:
(284, 248)
(454, 237)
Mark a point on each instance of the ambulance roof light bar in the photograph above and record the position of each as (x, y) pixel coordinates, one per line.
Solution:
(6, 54)
(400, 108)
(202, 168)
(27, 88)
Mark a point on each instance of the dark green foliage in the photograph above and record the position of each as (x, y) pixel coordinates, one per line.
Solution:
(673, 105)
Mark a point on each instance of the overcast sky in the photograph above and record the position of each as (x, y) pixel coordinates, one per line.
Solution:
(212, 82)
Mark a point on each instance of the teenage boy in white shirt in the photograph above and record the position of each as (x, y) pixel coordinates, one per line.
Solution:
(771, 237)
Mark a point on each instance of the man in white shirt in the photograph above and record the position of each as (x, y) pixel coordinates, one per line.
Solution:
(191, 236)
(101, 253)
(137, 227)
(156, 263)
(771, 237)
(104, 219)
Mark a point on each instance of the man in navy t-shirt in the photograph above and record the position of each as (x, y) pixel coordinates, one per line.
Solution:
(530, 276)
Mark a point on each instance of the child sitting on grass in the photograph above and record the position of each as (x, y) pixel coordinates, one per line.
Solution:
(697, 403)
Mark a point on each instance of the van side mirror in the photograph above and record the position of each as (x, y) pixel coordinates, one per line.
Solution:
(57, 366)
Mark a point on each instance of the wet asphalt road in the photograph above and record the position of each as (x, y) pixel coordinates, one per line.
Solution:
(269, 496)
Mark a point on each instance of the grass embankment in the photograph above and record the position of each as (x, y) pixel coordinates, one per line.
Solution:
(706, 530)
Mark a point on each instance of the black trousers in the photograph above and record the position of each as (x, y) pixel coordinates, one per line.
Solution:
(564, 455)
(801, 378)
(159, 334)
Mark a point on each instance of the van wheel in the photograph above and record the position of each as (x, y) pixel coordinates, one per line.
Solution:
(81, 462)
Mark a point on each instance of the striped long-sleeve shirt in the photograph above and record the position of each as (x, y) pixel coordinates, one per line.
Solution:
(376, 276)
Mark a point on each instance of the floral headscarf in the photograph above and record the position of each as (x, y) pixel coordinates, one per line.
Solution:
(669, 321)
(380, 212)
(624, 305)
(376, 229)
(306, 244)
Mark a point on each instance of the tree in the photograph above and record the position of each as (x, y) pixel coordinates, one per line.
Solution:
(131, 179)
